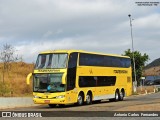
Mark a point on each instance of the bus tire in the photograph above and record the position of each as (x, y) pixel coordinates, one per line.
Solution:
(116, 97)
(80, 99)
(121, 96)
(52, 105)
(89, 98)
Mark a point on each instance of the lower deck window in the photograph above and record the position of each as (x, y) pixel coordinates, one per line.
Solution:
(96, 81)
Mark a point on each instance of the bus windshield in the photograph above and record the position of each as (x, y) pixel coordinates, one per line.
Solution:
(48, 83)
(48, 61)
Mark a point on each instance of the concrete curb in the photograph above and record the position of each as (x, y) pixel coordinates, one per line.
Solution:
(12, 102)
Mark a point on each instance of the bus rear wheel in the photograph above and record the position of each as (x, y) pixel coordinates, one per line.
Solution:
(121, 96)
(80, 99)
(88, 99)
(116, 98)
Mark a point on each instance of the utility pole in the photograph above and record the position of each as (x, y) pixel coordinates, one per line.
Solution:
(134, 68)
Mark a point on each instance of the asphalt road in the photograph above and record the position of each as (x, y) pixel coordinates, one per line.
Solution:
(150, 102)
(132, 101)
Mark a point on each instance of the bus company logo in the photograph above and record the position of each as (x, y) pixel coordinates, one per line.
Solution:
(121, 71)
(90, 71)
(48, 70)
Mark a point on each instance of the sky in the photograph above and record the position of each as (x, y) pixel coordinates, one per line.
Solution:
(33, 26)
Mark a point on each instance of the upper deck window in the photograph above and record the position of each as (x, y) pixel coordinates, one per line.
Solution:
(48, 61)
(103, 61)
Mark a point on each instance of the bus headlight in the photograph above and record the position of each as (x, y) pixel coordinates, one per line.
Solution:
(61, 96)
(36, 97)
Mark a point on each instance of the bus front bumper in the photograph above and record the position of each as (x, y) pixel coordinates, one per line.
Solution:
(49, 101)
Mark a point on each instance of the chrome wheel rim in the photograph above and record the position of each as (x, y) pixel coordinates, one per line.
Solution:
(88, 99)
(80, 99)
(121, 95)
(116, 96)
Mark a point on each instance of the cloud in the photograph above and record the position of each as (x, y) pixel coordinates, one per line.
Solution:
(88, 43)
(52, 33)
(150, 21)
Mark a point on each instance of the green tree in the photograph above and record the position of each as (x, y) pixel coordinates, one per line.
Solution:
(140, 61)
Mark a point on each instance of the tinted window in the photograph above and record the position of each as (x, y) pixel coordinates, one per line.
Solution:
(96, 81)
(71, 72)
(87, 81)
(101, 60)
(106, 80)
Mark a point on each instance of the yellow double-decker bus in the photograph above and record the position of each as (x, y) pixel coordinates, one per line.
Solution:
(63, 77)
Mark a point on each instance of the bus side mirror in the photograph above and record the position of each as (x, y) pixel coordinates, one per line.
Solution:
(64, 78)
(28, 78)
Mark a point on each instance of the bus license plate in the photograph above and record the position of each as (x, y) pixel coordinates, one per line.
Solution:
(47, 101)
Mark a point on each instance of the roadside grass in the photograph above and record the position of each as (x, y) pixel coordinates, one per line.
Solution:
(15, 80)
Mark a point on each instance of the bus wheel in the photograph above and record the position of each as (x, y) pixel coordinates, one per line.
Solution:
(52, 105)
(88, 99)
(116, 96)
(121, 96)
(80, 100)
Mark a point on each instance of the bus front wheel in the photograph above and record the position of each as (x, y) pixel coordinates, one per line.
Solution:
(116, 96)
(80, 99)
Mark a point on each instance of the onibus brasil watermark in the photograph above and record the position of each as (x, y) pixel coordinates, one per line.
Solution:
(21, 114)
